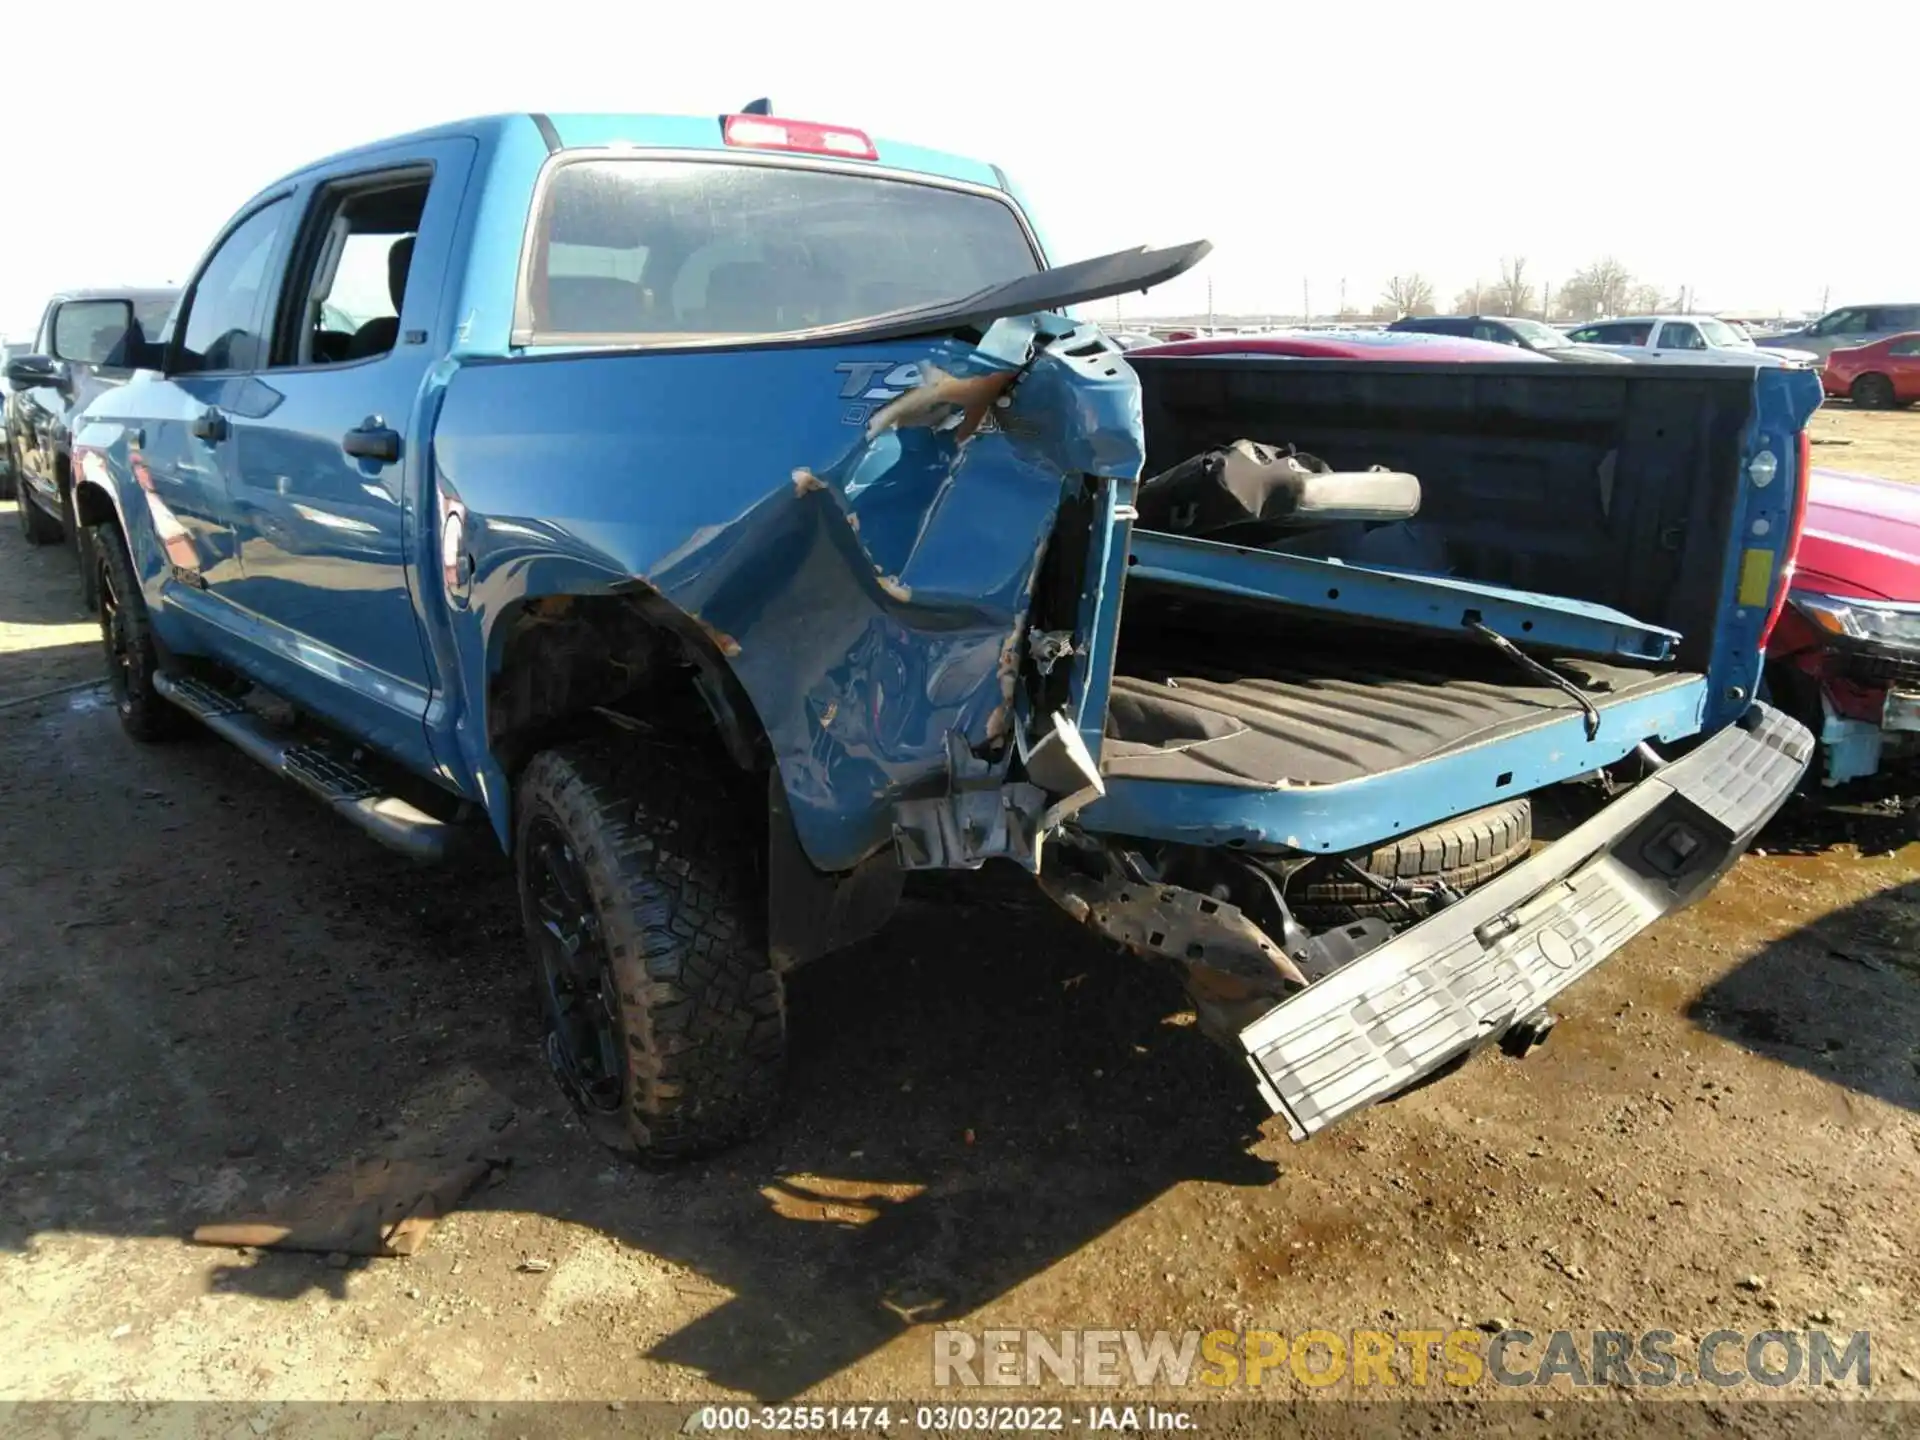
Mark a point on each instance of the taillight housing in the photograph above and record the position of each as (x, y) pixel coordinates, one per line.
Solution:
(1790, 552)
(796, 137)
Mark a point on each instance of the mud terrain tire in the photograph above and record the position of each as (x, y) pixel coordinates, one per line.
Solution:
(641, 895)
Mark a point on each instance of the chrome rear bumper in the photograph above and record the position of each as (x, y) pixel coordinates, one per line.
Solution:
(1463, 977)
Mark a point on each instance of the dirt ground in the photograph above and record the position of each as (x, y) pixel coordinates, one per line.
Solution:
(214, 993)
(1870, 442)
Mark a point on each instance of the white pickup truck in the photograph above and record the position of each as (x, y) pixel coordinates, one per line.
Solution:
(1693, 338)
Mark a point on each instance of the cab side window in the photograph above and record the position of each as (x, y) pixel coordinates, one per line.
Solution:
(1843, 322)
(222, 324)
(348, 282)
(1682, 337)
(1615, 333)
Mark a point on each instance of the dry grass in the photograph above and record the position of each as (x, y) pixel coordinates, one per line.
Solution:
(1867, 442)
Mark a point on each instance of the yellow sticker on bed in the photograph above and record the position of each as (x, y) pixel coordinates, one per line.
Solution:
(1756, 577)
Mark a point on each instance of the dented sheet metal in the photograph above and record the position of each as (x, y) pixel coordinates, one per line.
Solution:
(857, 529)
(1233, 968)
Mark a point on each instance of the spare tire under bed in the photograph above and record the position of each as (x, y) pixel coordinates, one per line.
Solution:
(1462, 854)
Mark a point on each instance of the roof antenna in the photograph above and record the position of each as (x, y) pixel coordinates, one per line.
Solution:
(762, 106)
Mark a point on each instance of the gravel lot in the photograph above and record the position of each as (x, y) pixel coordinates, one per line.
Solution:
(214, 993)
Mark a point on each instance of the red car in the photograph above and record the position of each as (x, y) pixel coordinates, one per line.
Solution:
(1846, 653)
(1845, 656)
(1877, 376)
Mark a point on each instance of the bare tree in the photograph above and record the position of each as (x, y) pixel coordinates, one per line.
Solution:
(1600, 289)
(1645, 299)
(1407, 295)
(1470, 301)
(1513, 295)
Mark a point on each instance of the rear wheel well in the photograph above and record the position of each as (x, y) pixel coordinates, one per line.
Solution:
(568, 668)
(565, 664)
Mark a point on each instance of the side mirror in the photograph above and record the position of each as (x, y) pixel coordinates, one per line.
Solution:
(26, 371)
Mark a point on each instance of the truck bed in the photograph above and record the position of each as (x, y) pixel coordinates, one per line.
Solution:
(1321, 719)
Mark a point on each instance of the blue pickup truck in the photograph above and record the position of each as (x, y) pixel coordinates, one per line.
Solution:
(725, 516)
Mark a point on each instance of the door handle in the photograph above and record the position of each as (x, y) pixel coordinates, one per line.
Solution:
(211, 425)
(372, 441)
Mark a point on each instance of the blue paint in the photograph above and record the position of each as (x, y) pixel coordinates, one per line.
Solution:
(1336, 818)
(1429, 602)
(1784, 400)
(868, 590)
(864, 607)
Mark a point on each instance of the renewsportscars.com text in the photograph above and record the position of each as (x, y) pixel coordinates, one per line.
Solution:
(1381, 1359)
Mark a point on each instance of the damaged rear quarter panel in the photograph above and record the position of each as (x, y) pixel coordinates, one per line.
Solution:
(862, 582)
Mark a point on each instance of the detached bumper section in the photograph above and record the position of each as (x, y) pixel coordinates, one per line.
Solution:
(1496, 957)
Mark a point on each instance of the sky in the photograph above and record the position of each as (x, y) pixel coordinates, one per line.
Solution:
(1757, 153)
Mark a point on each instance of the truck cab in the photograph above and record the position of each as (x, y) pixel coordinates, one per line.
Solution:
(725, 516)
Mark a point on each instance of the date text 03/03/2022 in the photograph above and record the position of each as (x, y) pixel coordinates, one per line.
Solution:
(1007, 1419)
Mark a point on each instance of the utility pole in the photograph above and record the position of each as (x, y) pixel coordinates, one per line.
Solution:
(1546, 302)
(1306, 302)
(1343, 299)
(1209, 303)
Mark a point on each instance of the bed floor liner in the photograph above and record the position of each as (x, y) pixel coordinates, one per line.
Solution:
(1323, 719)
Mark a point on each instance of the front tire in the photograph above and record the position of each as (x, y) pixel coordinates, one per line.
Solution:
(640, 894)
(1872, 392)
(39, 527)
(126, 637)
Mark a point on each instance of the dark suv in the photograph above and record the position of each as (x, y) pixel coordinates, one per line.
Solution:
(88, 341)
(1847, 327)
(1515, 330)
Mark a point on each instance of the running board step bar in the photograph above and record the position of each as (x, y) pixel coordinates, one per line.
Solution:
(348, 791)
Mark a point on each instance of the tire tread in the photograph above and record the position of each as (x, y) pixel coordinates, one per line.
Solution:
(670, 863)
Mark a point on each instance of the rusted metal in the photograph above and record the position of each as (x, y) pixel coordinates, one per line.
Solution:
(1234, 970)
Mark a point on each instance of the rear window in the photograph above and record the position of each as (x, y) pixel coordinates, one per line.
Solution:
(690, 250)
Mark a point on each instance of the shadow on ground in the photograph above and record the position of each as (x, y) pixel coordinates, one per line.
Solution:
(216, 993)
(1839, 997)
(1877, 815)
